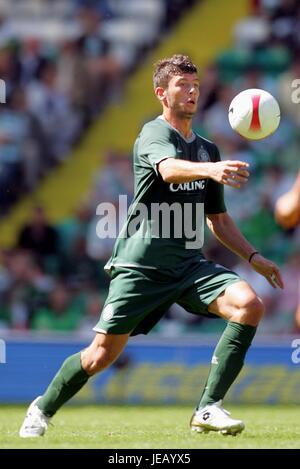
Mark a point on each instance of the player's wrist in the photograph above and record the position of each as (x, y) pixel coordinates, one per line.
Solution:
(250, 258)
(205, 170)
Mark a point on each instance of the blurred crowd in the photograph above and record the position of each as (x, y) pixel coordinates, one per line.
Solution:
(53, 279)
(62, 61)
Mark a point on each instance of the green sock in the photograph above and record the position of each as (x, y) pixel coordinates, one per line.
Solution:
(66, 383)
(227, 361)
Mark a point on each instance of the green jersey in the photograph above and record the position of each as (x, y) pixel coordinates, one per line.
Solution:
(165, 223)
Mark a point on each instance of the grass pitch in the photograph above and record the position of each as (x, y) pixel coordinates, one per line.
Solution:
(135, 427)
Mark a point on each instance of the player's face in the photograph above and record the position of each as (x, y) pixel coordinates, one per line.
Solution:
(182, 94)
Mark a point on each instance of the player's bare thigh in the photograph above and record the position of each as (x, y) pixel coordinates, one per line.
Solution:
(238, 303)
(103, 351)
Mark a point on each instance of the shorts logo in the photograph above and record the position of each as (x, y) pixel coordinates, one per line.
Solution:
(107, 313)
(215, 360)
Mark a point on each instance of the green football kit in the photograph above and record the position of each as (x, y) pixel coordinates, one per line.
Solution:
(157, 258)
(157, 261)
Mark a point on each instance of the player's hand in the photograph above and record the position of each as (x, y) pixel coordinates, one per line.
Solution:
(287, 210)
(230, 173)
(268, 269)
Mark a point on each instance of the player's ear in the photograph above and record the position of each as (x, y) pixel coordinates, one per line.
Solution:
(160, 93)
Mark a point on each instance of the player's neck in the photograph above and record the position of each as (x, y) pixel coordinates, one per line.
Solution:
(182, 124)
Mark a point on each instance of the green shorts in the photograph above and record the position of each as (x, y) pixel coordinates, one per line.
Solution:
(138, 298)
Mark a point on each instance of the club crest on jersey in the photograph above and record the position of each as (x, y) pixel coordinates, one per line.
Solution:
(202, 154)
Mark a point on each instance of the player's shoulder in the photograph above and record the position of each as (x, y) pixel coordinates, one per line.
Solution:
(156, 125)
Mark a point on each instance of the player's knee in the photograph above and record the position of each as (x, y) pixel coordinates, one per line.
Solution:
(250, 310)
(94, 361)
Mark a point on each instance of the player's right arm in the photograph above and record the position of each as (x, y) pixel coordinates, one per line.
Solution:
(230, 173)
(159, 144)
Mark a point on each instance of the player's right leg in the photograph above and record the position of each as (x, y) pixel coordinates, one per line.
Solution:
(73, 374)
(135, 302)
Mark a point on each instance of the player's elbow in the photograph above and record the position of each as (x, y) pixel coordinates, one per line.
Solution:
(166, 170)
(216, 222)
(169, 177)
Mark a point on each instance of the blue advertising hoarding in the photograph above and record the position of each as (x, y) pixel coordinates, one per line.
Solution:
(152, 372)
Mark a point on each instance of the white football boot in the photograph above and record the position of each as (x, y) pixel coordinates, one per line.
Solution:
(213, 418)
(35, 423)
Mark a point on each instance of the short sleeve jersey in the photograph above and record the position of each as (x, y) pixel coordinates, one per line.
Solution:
(165, 223)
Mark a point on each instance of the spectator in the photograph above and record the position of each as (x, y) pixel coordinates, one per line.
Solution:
(54, 111)
(79, 268)
(35, 154)
(94, 304)
(27, 289)
(105, 72)
(216, 117)
(283, 22)
(72, 228)
(30, 60)
(38, 236)
(9, 68)
(112, 180)
(61, 313)
(14, 130)
(73, 79)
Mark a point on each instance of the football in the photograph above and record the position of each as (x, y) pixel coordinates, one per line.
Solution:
(254, 114)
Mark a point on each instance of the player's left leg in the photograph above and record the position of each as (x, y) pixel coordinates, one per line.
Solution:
(241, 307)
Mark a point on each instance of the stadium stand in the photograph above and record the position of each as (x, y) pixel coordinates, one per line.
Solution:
(255, 44)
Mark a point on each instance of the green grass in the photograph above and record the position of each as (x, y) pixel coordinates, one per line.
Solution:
(152, 427)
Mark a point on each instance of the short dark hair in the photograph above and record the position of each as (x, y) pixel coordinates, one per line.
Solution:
(165, 69)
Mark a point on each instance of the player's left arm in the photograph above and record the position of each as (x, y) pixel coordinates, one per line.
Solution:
(287, 207)
(225, 230)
